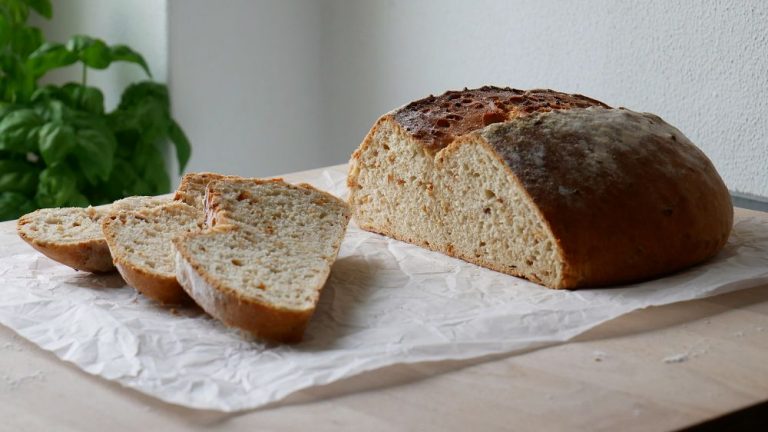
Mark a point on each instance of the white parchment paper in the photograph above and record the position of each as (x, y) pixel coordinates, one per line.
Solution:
(386, 302)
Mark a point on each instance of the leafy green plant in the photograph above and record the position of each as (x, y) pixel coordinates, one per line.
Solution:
(58, 145)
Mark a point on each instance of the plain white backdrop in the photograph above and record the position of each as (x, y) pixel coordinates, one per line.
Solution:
(265, 86)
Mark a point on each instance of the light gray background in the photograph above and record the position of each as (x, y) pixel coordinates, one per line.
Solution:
(264, 87)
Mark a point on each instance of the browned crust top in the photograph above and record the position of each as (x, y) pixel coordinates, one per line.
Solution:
(437, 120)
(626, 195)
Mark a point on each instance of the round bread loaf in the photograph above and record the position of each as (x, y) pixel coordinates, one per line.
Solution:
(558, 188)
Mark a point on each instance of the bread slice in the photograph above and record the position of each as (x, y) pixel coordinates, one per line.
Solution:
(265, 257)
(72, 235)
(191, 190)
(557, 188)
(140, 242)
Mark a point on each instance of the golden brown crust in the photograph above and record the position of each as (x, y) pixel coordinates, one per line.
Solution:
(158, 287)
(264, 321)
(91, 256)
(165, 290)
(661, 208)
(437, 120)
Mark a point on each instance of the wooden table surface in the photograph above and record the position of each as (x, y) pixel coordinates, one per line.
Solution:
(662, 368)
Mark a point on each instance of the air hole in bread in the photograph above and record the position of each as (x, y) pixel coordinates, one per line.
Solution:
(489, 194)
(237, 262)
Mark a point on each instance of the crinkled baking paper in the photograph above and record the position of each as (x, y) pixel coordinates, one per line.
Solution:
(386, 302)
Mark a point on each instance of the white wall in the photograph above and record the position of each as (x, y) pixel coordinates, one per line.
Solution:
(701, 65)
(246, 86)
(264, 87)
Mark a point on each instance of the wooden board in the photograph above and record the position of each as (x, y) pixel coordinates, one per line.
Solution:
(657, 369)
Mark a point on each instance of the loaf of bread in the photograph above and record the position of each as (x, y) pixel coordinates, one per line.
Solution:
(557, 188)
(140, 244)
(72, 235)
(265, 256)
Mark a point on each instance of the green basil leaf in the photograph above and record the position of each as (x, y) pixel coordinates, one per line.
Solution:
(18, 131)
(180, 141)
(125, 181)
(5, 30)
(91, 51)
(52, 110)
(57, 187)
(16, 83)
(97, 55)
(78, 43)
(89, 99)
(25, 40)
(18, 176)
(45, 93)
(49, 56)
(126, 54)
(16, 11)
(42, 7)
(144, 107)
(57, 140)
(13, 205)
(139, 93)
(150, 165)
(95, 151)
(6, 107)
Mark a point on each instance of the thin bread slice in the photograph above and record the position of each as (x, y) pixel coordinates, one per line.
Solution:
(72, 235)
(191, 190)
(140, 242)
(266, 256)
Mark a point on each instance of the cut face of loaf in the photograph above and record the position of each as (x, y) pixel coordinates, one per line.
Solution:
(140, 242)
(557, 188)
(266, 256)
(72, 235)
